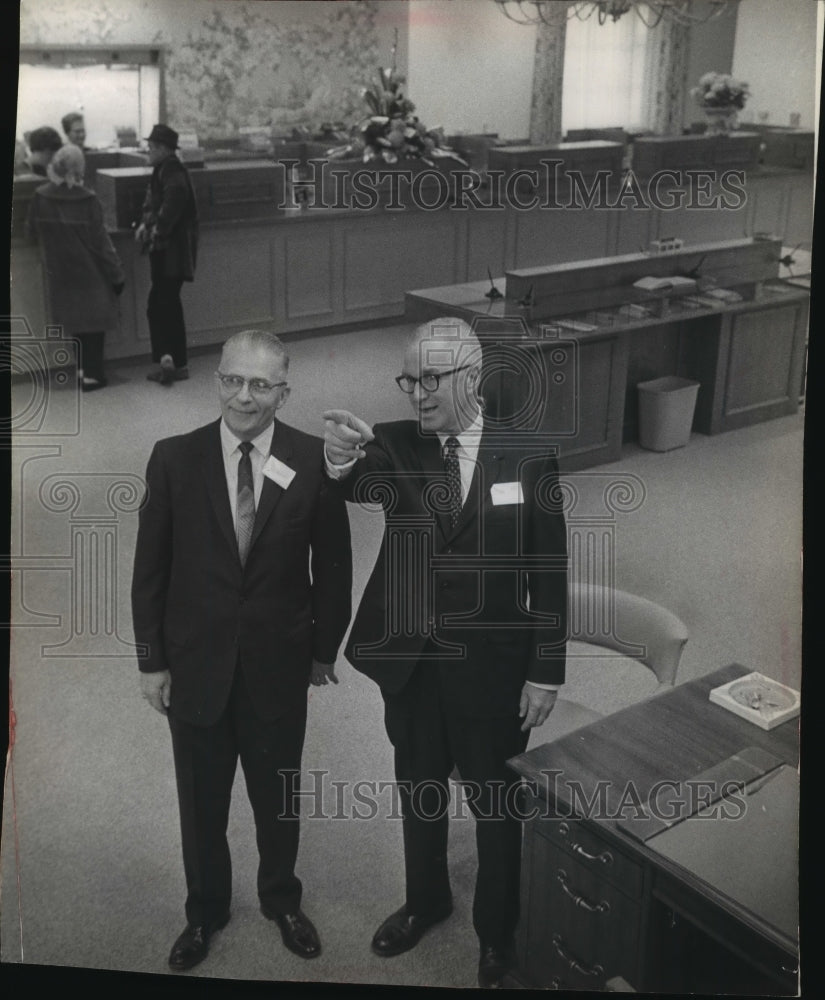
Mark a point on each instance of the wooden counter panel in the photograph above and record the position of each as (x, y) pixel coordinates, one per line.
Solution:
(704, 225)
(762, 363)
(552, 236)
(383, 256)
(308, 269)
(233, 286)
(485, 242)
(27, 290)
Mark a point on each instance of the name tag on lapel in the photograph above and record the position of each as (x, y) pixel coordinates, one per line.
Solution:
(505, 493)
(279, 473)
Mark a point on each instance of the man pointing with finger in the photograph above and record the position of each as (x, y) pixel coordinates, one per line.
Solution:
(240, 600)
(462, 623)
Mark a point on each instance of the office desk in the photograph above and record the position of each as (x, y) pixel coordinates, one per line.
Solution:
(635, 865)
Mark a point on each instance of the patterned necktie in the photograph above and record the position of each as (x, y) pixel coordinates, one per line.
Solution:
(245, 511)
(453, 471)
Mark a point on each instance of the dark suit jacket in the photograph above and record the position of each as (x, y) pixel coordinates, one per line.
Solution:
(466, 588)
(171, 210)
(200, 612)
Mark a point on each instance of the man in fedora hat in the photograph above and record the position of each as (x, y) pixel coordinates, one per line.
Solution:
(169, 231)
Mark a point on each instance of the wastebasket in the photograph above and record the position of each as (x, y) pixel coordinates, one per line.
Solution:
(666, 408)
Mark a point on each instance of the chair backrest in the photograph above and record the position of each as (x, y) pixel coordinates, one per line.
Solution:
(630, 625)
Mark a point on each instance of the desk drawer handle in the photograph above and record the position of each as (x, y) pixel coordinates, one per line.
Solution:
(601, 907)
(596, 971)
(605, 857)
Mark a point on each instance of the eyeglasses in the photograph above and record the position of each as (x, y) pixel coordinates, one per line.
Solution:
(429, 382)
(257, 386)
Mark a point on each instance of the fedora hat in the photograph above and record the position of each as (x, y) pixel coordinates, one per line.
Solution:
(164, 135)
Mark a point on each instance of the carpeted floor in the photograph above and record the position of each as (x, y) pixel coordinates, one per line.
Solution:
(91, 867)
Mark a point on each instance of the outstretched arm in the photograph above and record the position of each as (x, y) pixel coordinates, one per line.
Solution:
(344, 437)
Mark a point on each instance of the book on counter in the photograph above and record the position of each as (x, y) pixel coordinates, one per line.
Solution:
(575, 324)
(675, 282)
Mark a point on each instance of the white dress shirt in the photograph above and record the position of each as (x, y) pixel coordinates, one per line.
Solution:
(257, 456)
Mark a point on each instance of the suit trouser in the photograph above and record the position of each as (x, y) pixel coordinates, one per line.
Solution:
(205, 762)
(164, 311)
(430, 737)
(91, 354)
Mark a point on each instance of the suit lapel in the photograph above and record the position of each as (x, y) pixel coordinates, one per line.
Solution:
(271, 493)
(216, 487)
(432, 463)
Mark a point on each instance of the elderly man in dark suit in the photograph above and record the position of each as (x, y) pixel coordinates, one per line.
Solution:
(169, 231)
(462, 623)
(240, 598)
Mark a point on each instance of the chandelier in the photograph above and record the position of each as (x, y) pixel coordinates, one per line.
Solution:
(650, 12)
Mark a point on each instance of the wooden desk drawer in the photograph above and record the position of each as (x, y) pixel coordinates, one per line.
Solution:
(589, 850)
(579, 930)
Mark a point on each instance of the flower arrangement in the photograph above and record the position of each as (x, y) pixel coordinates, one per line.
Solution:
(392, 132)
(720, 90)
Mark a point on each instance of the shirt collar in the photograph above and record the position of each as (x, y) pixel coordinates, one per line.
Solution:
(469, 438)
(229, 442)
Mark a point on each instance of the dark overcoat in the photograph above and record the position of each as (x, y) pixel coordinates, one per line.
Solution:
(170, 214)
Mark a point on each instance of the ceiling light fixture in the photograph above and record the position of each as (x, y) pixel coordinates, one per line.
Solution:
(650, 12)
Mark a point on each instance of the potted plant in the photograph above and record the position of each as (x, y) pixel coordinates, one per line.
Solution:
(721, 97)
(391, 137)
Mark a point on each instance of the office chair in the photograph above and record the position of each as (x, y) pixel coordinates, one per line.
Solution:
(611, 634)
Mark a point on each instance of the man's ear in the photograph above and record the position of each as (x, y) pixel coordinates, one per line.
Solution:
(284, 397)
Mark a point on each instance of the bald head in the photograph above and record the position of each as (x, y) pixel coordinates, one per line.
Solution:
(442, 362)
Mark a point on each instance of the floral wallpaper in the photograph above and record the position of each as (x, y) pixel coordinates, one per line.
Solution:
(242, 67)
(234, 63)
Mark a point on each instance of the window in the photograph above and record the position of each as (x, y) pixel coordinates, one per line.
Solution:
(605, 74)
(112, 90)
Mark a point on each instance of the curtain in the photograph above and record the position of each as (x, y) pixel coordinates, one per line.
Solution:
(666, 78)
(548, 67)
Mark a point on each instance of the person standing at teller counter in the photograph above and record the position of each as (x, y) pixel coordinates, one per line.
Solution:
(169, 232)
(83, 274)
(74, 128)
(43, 143)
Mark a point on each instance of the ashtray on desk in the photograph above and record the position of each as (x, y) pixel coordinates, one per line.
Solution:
(759, 699)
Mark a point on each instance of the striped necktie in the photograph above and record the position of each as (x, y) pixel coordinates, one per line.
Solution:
(245, 511)
(453, 471)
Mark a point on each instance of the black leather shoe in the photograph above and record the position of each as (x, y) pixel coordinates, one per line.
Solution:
(403, 930)
(298, 933)
(192, 946)
(493, 965)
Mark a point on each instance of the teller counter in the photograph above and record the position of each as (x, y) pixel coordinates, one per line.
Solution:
(298, 269)
(566, 346)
